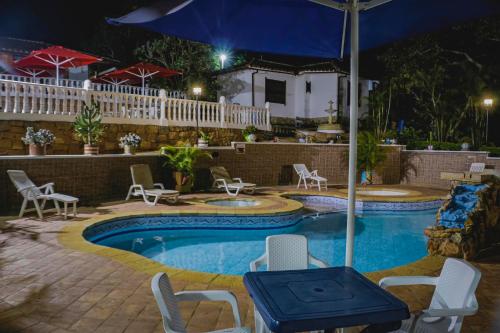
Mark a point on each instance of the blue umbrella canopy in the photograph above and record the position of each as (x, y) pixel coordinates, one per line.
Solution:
(317, 28)
(300, 27)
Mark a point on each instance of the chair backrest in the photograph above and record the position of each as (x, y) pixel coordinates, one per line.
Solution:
(456, 287)
(167, 303)
(21, 181)
(476, 168)
(285, 252)
(219, 172)
(141, 175)
(301, 168)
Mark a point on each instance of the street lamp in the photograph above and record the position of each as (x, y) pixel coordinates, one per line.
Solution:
(488, 103)
(197, 93)
(222, 58)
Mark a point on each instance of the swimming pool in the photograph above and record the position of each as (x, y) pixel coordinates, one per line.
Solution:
(383, 240)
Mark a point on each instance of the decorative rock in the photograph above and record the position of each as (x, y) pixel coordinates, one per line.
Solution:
(480, 230)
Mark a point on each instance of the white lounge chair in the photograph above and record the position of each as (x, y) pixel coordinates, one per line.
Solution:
(283, 252)
(476, 167)
(31, 192)
(233, 186)
(305, 175)
(168, 303)
(144, 187)
(453, 297)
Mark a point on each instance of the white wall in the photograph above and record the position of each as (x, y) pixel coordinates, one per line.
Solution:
(237, 88)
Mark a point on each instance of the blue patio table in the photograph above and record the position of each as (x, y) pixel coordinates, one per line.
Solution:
(323, 299)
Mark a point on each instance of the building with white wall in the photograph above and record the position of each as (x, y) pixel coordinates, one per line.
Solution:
(294, 92)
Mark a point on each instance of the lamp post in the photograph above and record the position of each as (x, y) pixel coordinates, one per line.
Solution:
(488, 103)
(197, 93)
(222, 58)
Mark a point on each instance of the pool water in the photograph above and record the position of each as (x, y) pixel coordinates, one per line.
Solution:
(383, 240)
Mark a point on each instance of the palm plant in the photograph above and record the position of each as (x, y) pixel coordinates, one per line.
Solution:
(370, 154)
(88, 124)
(182, 160)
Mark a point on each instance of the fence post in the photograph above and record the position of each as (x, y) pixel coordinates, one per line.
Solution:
(87, 86)
(162, 95)
(222, 102)
(268, 116)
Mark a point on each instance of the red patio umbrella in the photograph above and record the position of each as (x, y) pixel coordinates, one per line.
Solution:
(56, 57)
(143, 71)
(33, 72)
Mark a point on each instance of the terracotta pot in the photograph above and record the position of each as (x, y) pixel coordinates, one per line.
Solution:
(183, 183)
(36, 150)
(90, 150)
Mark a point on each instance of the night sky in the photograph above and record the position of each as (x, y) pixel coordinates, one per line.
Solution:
(57, 21)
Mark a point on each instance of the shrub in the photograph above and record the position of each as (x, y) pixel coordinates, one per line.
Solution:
(41, 137)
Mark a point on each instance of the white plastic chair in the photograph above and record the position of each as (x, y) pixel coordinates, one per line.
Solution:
(305, 174)
(168, 304)
(233, 186)
(476, 167)
(31, 192)
(453, 297)
(283, 252)
(144, 187)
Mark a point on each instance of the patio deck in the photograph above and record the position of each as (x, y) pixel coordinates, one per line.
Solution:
(50, 287)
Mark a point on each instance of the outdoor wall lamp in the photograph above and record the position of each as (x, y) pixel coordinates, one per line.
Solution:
(488, 102)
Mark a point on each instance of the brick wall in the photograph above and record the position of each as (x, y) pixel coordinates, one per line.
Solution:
(423, 168)
(271, 164)
(92, 179)
(11, 132)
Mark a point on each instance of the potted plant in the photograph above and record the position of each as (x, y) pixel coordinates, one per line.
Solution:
(204, 139)
(89, 128)
(465, 146)
(429, 143)
(249, 133)
(130, 143)
(370, 155)
(38, 141)
(182, 160)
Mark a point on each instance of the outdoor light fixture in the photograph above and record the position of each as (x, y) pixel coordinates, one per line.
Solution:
(223, 58)
(488, 103)
(197, 91)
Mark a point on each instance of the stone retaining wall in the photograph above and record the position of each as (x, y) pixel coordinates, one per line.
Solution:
(11, 132)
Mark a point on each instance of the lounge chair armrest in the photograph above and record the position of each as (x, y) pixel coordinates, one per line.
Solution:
(212, 295)
(159, 185)
(254, 265)
(218, 181)
(314, 173)
(317, 262)
(407, 281)
(26, 188)
(49, 188)
(238, 179)
(468, 311)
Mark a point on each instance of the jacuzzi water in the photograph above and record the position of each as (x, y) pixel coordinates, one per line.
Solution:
(233, 203)
(383, 240)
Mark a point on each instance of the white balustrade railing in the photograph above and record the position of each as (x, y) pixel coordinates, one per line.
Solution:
(124, 89)
(33, 101)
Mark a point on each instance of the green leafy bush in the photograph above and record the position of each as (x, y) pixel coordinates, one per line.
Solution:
(182, 159)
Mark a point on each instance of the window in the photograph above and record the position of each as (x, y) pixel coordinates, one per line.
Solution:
(275, 91)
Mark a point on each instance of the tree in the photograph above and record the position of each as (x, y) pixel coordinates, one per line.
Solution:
(379, 102)
(194, 60)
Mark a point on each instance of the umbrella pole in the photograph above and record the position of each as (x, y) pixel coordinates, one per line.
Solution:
(353, 131)
(57, 74)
